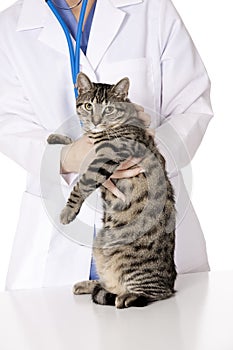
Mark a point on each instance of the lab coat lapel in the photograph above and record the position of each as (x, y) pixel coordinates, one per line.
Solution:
(121, 3)
(32, 15)
(36, 14)
(108, 19)
(53, 36)
(106, 23)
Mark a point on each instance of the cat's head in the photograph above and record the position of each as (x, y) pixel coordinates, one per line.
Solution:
(103, 106)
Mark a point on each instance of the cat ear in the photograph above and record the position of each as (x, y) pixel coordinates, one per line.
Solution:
(83, 83)
(121, 89)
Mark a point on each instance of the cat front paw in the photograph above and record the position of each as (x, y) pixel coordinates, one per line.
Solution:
(67, 215)
(59, 139)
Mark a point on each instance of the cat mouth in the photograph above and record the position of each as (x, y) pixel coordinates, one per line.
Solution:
(103, 127)
(97, 129)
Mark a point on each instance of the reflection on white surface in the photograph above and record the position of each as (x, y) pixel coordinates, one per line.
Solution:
(198, 317)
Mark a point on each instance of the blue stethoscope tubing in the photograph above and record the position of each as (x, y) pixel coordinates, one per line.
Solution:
(74, 54)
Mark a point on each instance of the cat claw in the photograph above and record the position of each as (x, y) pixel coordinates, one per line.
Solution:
(67, 215)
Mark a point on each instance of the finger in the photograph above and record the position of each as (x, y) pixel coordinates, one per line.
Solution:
(151, 132)
(124, 174)
(138, 108)
(88, 139)
(113, 189)
(146, 118)
(128, 163)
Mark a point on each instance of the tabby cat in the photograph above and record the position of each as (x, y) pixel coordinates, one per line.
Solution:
(134, 251)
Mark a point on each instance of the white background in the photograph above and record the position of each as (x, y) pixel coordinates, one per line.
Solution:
(209, 23)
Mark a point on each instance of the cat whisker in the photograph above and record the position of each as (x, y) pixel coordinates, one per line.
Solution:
(107, 132)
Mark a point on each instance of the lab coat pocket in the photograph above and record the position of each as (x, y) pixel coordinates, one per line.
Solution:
(31, 244)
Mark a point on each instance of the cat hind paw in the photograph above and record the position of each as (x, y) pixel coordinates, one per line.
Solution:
(130, 299)
(85, 287)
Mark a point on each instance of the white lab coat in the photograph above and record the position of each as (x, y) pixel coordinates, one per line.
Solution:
(144, 40)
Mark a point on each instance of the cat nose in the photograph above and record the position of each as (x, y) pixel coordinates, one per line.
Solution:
(95, 120)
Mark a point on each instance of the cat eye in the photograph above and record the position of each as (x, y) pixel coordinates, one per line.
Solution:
(88, 106)
(109, 109)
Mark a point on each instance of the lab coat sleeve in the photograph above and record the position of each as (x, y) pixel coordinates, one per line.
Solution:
(21, 137)
(185, 92)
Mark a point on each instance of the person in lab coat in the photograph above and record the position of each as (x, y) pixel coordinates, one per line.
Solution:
(143, 40)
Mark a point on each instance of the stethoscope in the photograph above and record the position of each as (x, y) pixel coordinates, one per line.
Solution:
(74, 54)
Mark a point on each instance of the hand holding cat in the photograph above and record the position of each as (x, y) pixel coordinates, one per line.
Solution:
(127, 169)
(146, 118)
(76, 157)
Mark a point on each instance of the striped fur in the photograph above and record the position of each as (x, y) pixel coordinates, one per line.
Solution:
(134, 251)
